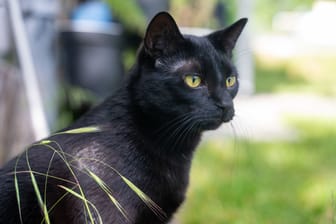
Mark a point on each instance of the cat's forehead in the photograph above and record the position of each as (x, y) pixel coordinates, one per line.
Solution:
(186, 65)
(197, 55)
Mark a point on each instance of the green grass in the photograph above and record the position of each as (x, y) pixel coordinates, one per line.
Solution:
(257, 182)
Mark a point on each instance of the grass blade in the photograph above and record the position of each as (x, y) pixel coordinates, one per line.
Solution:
(74, 193)
(83, 130)
(107, 190)
(17, 190)
(37, 192)
(151, 204)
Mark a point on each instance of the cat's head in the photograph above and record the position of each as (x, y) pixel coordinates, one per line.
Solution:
(187, 78)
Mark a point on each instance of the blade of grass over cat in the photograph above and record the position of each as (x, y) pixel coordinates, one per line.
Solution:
(151, 204)
(108, 191)
(42, 205)
(17, 190)
(46, 178)
(83, 130)
(43, 174)
(74, 193)
(56, 203)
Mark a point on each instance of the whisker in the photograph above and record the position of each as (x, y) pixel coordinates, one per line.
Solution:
(179, 132)
(185, 132)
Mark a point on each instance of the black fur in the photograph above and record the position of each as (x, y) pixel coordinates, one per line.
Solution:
(149, 130)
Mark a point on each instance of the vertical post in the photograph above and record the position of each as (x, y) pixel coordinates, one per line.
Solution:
(36, 110)
(244, 59)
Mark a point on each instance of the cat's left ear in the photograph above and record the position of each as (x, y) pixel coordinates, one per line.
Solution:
(162, 35)
(225, 40)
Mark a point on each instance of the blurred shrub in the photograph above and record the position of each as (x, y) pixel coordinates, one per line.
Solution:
(129, 13)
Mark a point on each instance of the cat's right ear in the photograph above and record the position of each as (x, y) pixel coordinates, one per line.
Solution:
(226, 39)
(162, 35)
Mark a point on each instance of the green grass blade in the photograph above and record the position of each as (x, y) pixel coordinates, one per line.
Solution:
(83, 130)
(46, 178)
(108, 191)
(37, 192)
(151, 204)
(74, 193)
(17, 190)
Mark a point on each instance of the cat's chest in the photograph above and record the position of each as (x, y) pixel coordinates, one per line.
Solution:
(169, 183)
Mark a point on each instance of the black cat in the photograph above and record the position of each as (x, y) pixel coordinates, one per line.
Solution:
(141, 138)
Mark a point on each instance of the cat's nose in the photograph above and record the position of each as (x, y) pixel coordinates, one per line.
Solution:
(227, 111)
(228, 115)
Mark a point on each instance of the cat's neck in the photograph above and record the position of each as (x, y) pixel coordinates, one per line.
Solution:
(167, 136)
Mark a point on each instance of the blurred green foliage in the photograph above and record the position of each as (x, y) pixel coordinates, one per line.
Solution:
(265, 10)
(201, 13)
(129, 13)
(276, 182)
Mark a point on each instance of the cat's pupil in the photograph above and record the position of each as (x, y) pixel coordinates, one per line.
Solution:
(230, 81)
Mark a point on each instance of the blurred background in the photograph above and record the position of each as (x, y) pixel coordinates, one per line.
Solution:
(274, 163)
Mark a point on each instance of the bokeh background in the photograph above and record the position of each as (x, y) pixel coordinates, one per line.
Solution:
(274, 163)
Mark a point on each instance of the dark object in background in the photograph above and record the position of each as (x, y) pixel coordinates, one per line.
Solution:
(91, 51)
(93, 60)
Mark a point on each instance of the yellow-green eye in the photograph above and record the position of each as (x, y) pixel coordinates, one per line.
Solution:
(193, 81)
(230, 81)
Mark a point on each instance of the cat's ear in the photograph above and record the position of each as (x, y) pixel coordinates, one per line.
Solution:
(225, 40)
(162, 35)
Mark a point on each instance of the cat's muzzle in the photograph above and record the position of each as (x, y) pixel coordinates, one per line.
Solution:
(228, 114)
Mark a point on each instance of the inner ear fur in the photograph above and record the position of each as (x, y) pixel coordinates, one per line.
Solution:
(162, 35)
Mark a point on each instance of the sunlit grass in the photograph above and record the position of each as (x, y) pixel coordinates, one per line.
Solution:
(266, 182)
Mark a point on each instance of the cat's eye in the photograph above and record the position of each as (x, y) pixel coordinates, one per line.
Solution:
(230, 81)
(193, 81)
